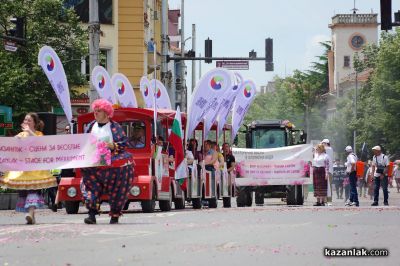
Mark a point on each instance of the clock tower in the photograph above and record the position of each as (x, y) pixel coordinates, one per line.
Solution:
(350, 32)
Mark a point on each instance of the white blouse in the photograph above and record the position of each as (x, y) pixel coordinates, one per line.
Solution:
(320, 160)
(103, 133)
(189, 155)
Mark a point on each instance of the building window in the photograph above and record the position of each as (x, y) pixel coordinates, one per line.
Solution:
(346, 62)
(105, 61)
(81, 8)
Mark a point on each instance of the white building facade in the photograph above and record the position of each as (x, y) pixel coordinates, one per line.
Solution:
(350, 32)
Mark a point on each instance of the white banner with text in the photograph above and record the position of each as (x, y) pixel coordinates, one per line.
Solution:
(47, 152)
(276, 166)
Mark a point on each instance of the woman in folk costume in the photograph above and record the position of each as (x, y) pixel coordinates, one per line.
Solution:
(29, 183)
(114, 180)
(320, 174)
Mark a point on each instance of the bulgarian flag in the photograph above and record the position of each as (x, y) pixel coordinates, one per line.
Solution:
(176, 140)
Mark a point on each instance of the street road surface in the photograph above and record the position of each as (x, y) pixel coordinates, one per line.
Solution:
(273, 234)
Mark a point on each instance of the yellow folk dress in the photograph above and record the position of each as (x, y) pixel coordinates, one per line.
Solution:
(28, 183)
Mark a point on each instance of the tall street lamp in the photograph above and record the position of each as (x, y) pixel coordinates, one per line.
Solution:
(183, 78)
(182, 47)
(355, 112)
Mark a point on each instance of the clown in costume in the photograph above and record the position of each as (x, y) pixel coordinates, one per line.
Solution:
(114, 180)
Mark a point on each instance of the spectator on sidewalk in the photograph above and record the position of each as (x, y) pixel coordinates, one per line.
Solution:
(370, 180)
(396, 175)
(338, 183)
(362, 182)
(380, 163)
(346, 187)
(351, 171)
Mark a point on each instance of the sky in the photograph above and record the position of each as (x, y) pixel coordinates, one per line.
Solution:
(236, 27)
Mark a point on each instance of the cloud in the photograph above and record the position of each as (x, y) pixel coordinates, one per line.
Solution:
(313, 48)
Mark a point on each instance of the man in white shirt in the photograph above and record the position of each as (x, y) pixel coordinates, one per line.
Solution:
(351, 171)
(329, 152)
(380, 163)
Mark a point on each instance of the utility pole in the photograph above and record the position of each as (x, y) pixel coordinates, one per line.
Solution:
(164, 52)
(94, 42)
(190, 90)
(183, 82)
(164, 41)
(355, 113)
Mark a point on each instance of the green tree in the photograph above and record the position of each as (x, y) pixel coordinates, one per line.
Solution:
(23, 85)
(380, 98)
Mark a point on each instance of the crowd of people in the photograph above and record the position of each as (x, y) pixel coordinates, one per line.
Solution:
(115, 180)
(360, 178)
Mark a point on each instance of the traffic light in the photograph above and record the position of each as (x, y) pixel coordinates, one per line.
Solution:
(269, 65)
(178, 84)
(208, 50)
(397, 17)
(19, 28)
(386, 15)
(190, 53)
